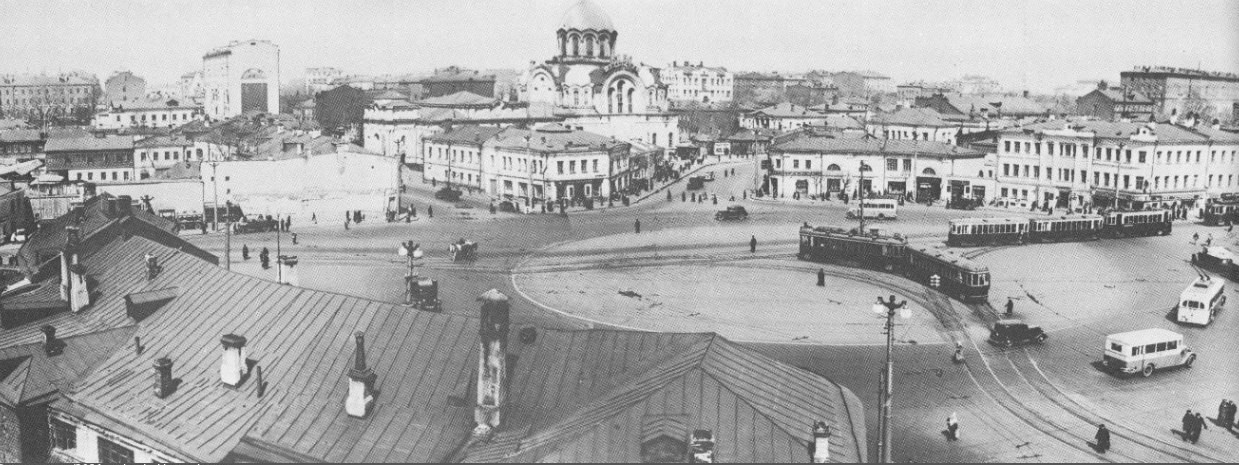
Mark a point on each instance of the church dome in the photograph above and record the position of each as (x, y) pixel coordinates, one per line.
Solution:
(584, 15)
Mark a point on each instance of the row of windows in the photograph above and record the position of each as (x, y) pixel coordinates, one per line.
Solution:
(1107, 180)
(64, 437)
(1146, 349)
(163, 117)
(26, 101)
(1113, 154)
(167, 155)
(103, 176)
(46, 91)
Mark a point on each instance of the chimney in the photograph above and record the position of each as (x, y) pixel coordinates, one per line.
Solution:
(68, 258)
(51, 345)
(79, 292)
(164, 386)
(492, 362)
(124, 205)
(1026, 94)
(152, 266)
(821, 442)
(288, 269)
(232, 367)
(360, 382)
(702, 446)
(109, 205)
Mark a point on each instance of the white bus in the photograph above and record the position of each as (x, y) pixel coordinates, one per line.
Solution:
(1146, 350)
(882, 209)
(1201, 301)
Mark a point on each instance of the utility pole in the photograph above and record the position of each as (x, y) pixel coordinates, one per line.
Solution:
(860, 196)
(1117, 159)
(227, 233)
(884, 438)
(279, 258)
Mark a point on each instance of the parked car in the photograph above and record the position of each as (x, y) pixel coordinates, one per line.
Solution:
(448, 194)
(1008, 333)
(696, 182)
(734, 212)
(962, 203)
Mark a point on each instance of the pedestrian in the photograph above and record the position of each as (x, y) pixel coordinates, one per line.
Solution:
(314, 218)
(1200, 425)
(743, 195)
(821, 277)
(952, 427)
(1010, 307)
(1209, 240)
(294, 238)
(265, 258)
(683, 197)
(753, 244)
(346, 224)
(430, 211)
(1188, 420)
(1195, 237)
(1221, 411)
(694, 196)
(1230, 415)
(636, 226)
(1103, 439)
(245, 252)
(668, 195)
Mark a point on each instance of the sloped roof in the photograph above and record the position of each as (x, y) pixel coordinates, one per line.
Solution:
(38, 375)
(809, 143)
(20, 135)
(459, 99)
(1119, 95)
(923, 117)
(586, 15)
(1008, 105)
(788, 110)
(145, 105)
(88, 143)
(553, 138)
(466, 134)
(51, 234)
(21, 169)
(1116, 129)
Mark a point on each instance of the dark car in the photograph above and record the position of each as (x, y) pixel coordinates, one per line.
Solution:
(258, 225)
(734, 212)
(696, 182)
(448, 194)
(962, 204)
(1009, 333)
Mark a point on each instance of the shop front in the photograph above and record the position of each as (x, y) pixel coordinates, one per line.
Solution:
(928, 188)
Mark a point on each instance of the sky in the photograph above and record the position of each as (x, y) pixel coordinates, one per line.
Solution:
(1033, 45)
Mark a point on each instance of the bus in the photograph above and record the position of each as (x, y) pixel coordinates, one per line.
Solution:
(1146, 350)
(882, 209)
(1222, 210)
(1141, 223)
(1200, 302)
(981, 231)
(1065, 228)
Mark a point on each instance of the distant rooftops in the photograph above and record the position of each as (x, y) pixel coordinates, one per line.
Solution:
(1183, 72)
(88, 143)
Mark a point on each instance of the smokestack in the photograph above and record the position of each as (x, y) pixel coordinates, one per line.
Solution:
(821, 442)
(702, 446)
(164, 386)
(68, 257)
(360, 382)
(288, 269)
(79, 292)
(152, 266)
(492, 362)
(232, 367)
(51, 345)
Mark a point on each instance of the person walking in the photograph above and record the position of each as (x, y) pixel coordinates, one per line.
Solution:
(1209, 240)
(245, 252)
(1200, 426)
(314, 218)
(1221, 411)
(952, 427)
(1103, 439)
(1230, 416)
(753, 244)
(821, 277)
(1010, 307)
(636, 226)
(1188, 420)
(683, 197)
(430, 211)
(1195, 237)
(346, 224)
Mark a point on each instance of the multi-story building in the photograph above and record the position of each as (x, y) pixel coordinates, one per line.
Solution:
(782, 117)
(190, 86)
(46, 98)
(1144, 165)
(814, 163)
(156, 153)
(1115, 103)
(241, 76)
(93, 158)
(450, 80)
(755, 86)
(1176, 92)
(550, 163)
(914, 124)
(984, 107)
(321, 79)
(595, 88)
(122, 88)
(21, 144)
(147, 114)
(700, 83)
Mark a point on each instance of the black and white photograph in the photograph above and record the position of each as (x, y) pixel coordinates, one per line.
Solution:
(621, 231)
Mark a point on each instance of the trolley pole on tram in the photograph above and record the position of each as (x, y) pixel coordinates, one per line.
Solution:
(884, 418)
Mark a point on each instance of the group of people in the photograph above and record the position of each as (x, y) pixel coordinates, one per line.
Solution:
(1208, 240)
(1226, 414)
(1193, 424)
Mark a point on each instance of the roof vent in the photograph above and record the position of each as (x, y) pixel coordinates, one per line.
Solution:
(165, 385)
(152, 266)
(51, 345)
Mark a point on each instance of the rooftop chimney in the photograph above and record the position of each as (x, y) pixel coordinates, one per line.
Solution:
(152, 266)
(164, 386)
(702, 446)
(360, 382)
(492, 362)
(68, 258)
(821, 442)
(288, 269)
(51, 345)
(79, 292)
(232, 367)
(124, 204)
(110, 207)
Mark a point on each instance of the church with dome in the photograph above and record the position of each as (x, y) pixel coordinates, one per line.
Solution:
(596, 89)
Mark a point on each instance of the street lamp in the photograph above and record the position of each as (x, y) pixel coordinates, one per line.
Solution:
(414, 252)
(884, 419)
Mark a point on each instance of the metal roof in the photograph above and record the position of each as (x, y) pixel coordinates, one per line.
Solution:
(1144, 336)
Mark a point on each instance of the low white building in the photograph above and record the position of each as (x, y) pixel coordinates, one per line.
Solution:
(147, 114)
(783, 117)
(914, 124)
(1144, 165)
(155, 153)
(698, 83)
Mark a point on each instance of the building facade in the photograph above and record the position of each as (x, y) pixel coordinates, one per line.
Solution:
(47, 98)
(321, 79)
(241, 76)
(686, 82)
(147, 114)
(595, 88)
(92, 158)
(1108, 104)
(1176, 92)
(782, 117)
(190, 86)
(914, 124)
(152, 154)
(1071, 164)
(124, 88)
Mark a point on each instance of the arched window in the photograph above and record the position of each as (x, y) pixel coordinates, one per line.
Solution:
(929, 172)
(589, 45)
(576, 97)
(611, 100)
(631, 93)
(563, 45)
(603, 46)
(832, 167)
(576, 44)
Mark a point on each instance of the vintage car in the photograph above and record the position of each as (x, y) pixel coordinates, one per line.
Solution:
(962, 203)
(734, 212)
(463, 250)
(448, 194)
(1008, 333)
(696, 182)
(256, 225)
(426, 295)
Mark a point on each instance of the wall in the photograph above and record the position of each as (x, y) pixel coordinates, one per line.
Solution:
(294, 186)
(182, 195)
(87, 449)
(10, 436)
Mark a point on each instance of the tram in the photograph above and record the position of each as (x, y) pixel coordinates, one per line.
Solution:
(1139, 223)
(957, 276)
(994, 231)
(986, 231)
(1223, 210)
(1219, 260)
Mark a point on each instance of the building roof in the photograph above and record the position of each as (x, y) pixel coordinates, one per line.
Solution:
(585, 15)
(749, 135)
(28, 374)
(554, 138)
(20, 135)
(460, 99)
(1115, 129)
(810, 143)
(307, 103)
(21, 169)
(922, 117)
(163, 141)
(456, 75)
(469, 134)
(88, 143)
(149, 105)
(1118, 94)
(45, 80)
(96, 218)
(995, 104)
(1218, 135)
(788, 110)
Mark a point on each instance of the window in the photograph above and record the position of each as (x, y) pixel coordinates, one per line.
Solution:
(1006, 171)
(110, 452)
(64, 435)
(796, 164)
(1049, 148)
(1143, 154)
(1017, 147)
(595, 166)
(892, 164)
(808, 164)
(572, 166)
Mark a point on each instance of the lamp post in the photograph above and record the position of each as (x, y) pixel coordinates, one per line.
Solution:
(1118, 157)
(884, 418)
(860, 195)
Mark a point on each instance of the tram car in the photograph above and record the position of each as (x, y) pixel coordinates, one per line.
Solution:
(958, 276)
(1137, 223)
(987, 231)
(1224, 210)
(1065, 228)
(1219, 260)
